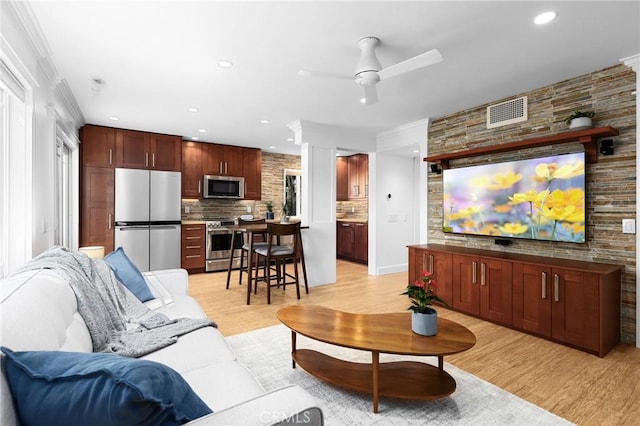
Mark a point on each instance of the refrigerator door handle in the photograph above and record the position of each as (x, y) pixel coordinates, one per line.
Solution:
(164, 226)
(131, 228)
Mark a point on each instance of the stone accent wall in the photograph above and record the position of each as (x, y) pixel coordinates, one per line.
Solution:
(611, 186)
(273, 166)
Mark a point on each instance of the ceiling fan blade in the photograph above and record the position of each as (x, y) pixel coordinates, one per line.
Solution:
(370, 95)
(321, 74)
(423, 60)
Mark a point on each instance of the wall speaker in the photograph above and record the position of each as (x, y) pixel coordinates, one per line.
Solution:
(435, 168)
(606, 147)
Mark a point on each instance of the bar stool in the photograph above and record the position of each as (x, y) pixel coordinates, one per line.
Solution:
(245, 246)
(279, 255)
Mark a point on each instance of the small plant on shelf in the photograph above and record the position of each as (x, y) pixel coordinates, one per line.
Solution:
(582, 119)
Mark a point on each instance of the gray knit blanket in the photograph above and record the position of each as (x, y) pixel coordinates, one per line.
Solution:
(117, 321)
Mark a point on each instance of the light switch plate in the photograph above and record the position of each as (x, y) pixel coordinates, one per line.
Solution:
(628, 226)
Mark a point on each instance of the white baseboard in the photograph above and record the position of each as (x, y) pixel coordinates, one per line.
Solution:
(392, 269)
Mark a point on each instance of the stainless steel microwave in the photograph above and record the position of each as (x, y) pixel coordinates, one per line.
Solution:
(223, 187)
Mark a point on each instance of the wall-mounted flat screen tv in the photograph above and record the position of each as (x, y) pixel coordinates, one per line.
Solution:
(540, 199)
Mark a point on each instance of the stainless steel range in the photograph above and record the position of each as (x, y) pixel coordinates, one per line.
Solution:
(218, 245)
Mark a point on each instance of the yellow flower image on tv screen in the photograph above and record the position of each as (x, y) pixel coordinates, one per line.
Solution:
(541, 199)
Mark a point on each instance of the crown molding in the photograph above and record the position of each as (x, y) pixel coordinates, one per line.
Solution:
(25, 16)
(64, 96)
(632, 61)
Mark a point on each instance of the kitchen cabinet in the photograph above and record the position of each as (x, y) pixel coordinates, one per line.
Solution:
(361, 245)
(192, 158)
(439, 264)
(345, 239)
(97, 207)
(142, 150)
(342, 178)
(352, 177)
(132, 149)
(572, 302)
(252, 172)
(358, 171)
(482, 287)
(532, 298)
(352, 241)
(98, 146)
(166, 152)
(223, 160)
(193, 247)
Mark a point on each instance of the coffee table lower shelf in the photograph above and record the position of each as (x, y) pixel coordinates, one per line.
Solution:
(400, 379)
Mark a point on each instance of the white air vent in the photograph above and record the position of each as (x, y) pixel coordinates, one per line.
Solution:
(513, 111)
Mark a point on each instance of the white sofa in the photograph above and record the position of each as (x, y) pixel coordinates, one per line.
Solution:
(38, 311)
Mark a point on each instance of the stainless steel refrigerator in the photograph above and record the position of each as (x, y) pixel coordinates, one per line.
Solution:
(147, 217)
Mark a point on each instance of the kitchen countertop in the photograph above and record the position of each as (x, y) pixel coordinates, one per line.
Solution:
(353, 220)
(193, 222)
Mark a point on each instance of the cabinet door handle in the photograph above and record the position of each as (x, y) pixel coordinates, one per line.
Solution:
(556, 287)
(226, 170)
(473, 272)
(153, 160)
(366, 190)
(544, 285)
(431, 263)
(110, 156)
(146, 159)
(220, 167)
(109, 221)
(483, 268)
(199, 190)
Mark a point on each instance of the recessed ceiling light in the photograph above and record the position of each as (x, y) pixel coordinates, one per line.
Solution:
(114, 118)
(544, 18)
(416, 151)
(289, 139)
(363, 100)
(264, 121)
(272, 147)
(193, 109)
(195, 138)
(225, 63)
(202, 130)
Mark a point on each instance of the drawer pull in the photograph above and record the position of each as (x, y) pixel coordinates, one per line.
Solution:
(192, 256)
(193, 247)
(192, 229)
(193, 238)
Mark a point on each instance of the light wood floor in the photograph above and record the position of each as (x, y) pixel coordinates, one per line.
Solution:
(579, 387)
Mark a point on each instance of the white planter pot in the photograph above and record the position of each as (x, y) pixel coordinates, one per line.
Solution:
(425, 324)
(580, 123)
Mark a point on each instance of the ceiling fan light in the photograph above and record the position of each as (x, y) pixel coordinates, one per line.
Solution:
(544, 18)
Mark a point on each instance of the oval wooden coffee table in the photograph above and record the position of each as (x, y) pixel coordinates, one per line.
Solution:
(379, 333)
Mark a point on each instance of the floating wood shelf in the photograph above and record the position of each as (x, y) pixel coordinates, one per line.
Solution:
(587, 137)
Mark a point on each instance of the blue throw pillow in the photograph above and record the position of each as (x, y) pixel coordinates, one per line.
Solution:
(128, 274)
(73, 388)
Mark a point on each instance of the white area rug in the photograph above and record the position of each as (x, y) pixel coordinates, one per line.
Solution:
(267, 353)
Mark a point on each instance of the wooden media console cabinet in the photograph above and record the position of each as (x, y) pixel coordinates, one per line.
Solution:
(571, 302)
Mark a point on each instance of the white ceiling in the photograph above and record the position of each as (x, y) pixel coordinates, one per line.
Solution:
(158, 58)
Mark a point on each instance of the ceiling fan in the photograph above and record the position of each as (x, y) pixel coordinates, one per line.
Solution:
(369, 72)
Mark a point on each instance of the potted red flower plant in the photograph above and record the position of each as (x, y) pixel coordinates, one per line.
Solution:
(422, 293)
